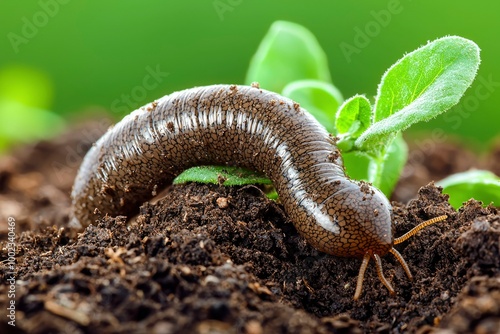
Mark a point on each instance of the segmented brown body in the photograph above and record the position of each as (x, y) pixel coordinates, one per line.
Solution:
(242, 126)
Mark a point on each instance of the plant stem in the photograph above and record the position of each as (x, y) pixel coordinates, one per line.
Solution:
(376, 168)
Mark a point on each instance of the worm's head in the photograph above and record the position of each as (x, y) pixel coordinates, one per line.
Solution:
(363, 215)
(366, 223)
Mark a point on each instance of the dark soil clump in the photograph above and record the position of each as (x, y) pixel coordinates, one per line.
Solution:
(213, 259)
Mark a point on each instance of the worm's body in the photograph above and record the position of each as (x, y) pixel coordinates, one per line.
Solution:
(243, 126)
(235, 125)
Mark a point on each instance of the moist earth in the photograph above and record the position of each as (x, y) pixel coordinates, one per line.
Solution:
(213, 259)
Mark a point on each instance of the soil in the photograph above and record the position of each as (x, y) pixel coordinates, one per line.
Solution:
(212, 259)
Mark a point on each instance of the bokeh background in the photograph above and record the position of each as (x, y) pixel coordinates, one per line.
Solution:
(61, 59)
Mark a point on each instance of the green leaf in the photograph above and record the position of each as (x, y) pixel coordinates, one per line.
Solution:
(481, 185)
(226, 175)
(26, 85)
(319, 98)
(21, 123)
(391, 167)
(352, 119)
(353, 116)
(271, 194)
(288, 52)
(420, 86)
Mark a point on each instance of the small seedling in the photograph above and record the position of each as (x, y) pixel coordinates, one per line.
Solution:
(418, 87)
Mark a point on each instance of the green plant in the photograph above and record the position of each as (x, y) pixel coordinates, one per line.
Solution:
(25, 95)
(480, 184)
(418, 87)
(227, 175)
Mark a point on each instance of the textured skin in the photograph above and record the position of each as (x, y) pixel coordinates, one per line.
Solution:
(243, 126)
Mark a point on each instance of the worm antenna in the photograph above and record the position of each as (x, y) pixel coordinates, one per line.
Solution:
(403, 263)
(417, 228)
(381, 276)
(361, 276)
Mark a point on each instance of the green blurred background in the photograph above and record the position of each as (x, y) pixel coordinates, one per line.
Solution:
(61, 58)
